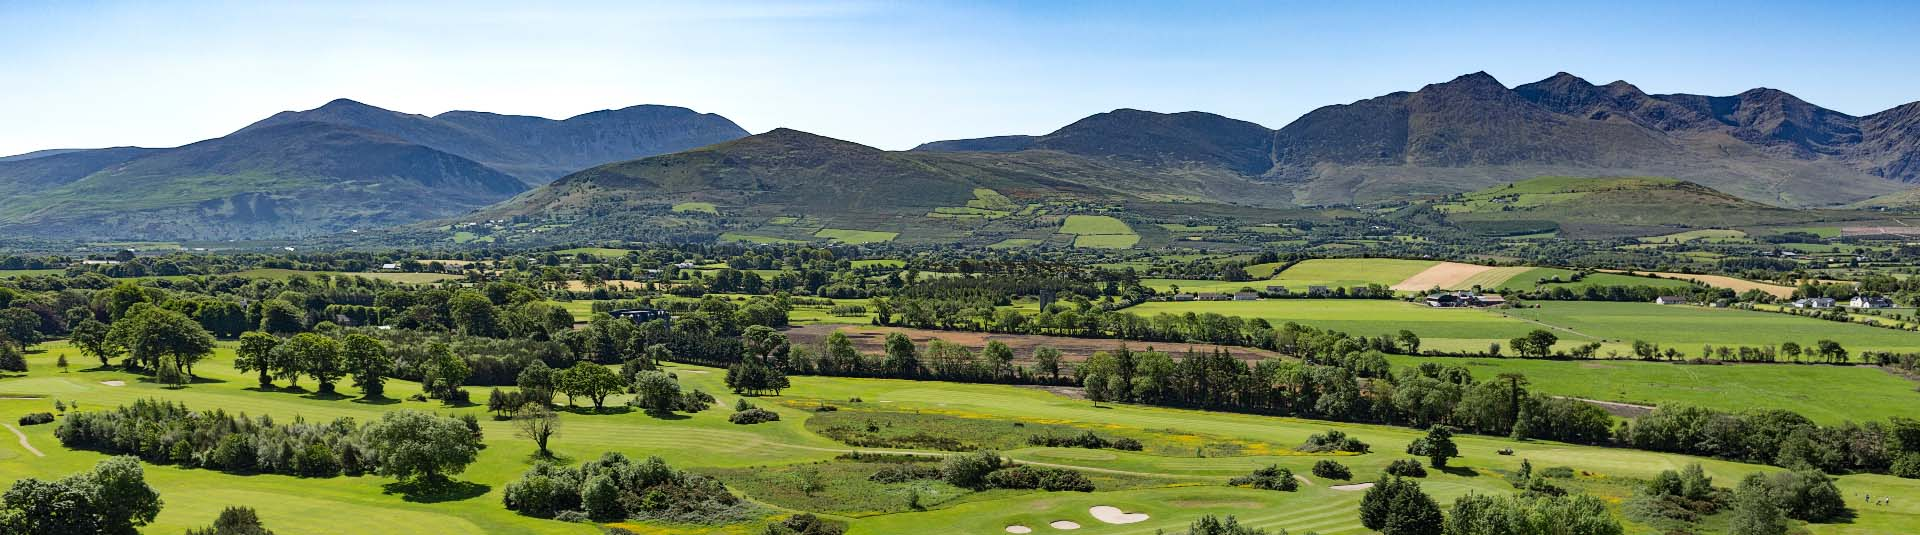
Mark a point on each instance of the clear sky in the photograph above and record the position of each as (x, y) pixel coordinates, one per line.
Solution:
(892, 74)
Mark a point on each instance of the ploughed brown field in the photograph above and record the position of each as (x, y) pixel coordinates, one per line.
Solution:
(871, 339)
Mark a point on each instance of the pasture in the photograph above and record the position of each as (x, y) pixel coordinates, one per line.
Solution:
(1871, 393)
(1343, 272)
(1616, 325)
(1099, 232)
(855, 237)
(696, 207)
(1171, 489)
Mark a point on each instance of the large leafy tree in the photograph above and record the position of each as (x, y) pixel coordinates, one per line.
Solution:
(368, 362)
(444, 372)
(256, 354)
(152, 334)
(1395, 506)
(318, 357)
(412, 445)
(111, 499)
(92, 338)
(592, 381)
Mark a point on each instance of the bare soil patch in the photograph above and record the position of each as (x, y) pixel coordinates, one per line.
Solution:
(872, 340)
(1353, 487)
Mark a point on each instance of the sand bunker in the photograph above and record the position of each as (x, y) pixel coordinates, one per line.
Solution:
(1019, 529)
(1113, 515)
(1355, 486)
(114, 383)
(1064, 524)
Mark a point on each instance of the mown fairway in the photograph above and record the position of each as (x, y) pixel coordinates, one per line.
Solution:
(1869, 393)
(1187, 486)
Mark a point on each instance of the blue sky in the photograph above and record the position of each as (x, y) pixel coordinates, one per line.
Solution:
(892, 74)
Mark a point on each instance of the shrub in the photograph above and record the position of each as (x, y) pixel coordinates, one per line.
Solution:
(969, 470)
(1272, 477)
(164, 432)
(753, 416)
(36, 418)
(805, 524)
(1406, 468)
(1558, 472)
(1329, 469)
(1087, 440)
(904, 472)
(1334, 440)
(614, 487)
(1038, 477)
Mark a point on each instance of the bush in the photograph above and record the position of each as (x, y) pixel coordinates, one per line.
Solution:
(164, 432)
(754, 415)
(904, 472)
(1087, 440)
(1558, 472)
(36, 418)
(1334, 440)
(614, 487)
(1037, 477)
(1329, 469)
(804, 524)
(969, 470)
(1272, 477)
(1406, 468)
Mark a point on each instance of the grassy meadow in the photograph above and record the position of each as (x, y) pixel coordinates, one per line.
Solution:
(1172, 487)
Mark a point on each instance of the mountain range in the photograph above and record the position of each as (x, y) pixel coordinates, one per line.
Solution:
(342, 166)
(1472, 132)
(347, 165)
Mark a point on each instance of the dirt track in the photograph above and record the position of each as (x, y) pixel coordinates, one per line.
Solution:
(872, 339)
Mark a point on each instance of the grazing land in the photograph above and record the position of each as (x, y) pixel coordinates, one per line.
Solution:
(1099, 232)
(872, 339)
(1871, 393)
(1341, 272)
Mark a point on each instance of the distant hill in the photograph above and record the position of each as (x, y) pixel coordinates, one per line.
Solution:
(836, 183)
(536, 149)
(287, 180)
(341, 166)
(1578, 207)
(1473, 132)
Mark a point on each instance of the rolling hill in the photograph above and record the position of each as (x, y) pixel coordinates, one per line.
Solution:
(282, 181)
(341, 166)
(839, 184)
(535, 149)
(1611, 207)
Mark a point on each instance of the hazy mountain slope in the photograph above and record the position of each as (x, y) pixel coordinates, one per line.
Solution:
(1142, 137)
(285, 180)
(1608, 207)
(981, 144)
(38, 173)
(535, 149)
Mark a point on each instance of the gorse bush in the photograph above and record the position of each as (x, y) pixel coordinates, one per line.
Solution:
(1087, 440)
(754, 415)
(1329, 469)
(1272, 477)
(1406, 468)
(1038, 477)
(904, 472)
(36, 418)
(615, 488)
(1333, 440)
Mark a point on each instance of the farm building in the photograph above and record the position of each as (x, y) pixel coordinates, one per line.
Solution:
(1277, 290)
(1318, 291)
(642, 315)
(1183, 297)
(1463, 299)
(1814, 302)
(1870, 302)
(1246, 296)
(1214, 296)
(1669, 300)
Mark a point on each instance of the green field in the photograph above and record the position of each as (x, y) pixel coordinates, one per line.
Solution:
(1870, 394)
(1014, 243)
(8, 273)
(1529, 280)
(409, 278)
(1617, 325)
(1172, 489)
(751, 238)
(1099, 232)
(1345, 272)
(696, 207)
(855, 237)
(880, 262)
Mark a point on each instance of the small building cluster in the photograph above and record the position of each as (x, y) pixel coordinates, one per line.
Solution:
(1464, 299)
